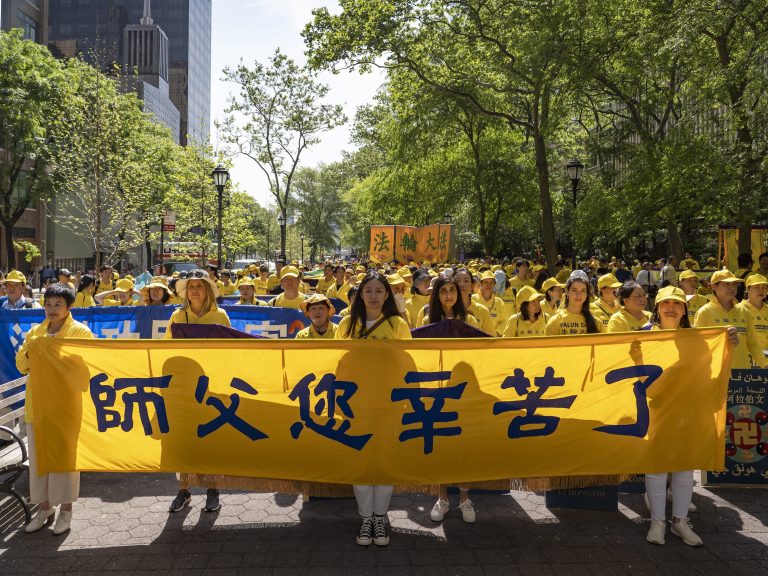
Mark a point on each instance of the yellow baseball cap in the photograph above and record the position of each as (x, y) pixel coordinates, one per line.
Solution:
(395, 280)
(756, 280)
(124, 285)
(317, 299)
(608, 281)
(527, 294)
(16, 276)
(724, 275)
(671, 293)
(687, 274)
(551, 283)
(488, 275)
(289, 271)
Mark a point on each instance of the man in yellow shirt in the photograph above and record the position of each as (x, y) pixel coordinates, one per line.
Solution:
(227, 288)
(291, 297)
(689, 283)
(275, 279)
(326, 281)
(754, 305)
(689, 263)
(319, 310)
(261, 282)
(105, 281)
(607, 304)
(522, 277)
(721, 310)
(495, 305)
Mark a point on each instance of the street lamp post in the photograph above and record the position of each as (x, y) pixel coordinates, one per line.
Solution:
(575, 169)
(220, 179)
(281, 222)
(302, 248)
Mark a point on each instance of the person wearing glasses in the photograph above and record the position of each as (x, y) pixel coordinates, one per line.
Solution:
(632, 314)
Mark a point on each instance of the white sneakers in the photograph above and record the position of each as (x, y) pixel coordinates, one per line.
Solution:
(40, 521)
(680, 528)
(441, 507)
(45, 517)
(657, 531)
(63, 521)
(684, 530)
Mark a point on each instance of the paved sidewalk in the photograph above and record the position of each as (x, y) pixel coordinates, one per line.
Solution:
(122, 526)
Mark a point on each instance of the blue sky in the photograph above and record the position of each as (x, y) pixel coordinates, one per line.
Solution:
(251, 30)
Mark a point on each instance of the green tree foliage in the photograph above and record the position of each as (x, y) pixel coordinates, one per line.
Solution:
(276, 115)
(32, 90)
(319, 205)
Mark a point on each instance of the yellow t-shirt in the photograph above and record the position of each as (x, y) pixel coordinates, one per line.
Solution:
(414, 304)
(713, 314)
(760, 321)
(311, 332)
(282, 301)
(339, 292)
(623, 321)
(393, 328)
(496, 309)
(549, 309)
(254, 302)
(480, 312)
(423, 319)
(70, 329)
(181, 316)
(510, 300)
(83, 300)
(566, 323)
(695, 302)
(114, 302)
(516, 283)
(323, 285)
(227, 290)
(518, 328)
(104, 287)
(602, 311)
(261, 286)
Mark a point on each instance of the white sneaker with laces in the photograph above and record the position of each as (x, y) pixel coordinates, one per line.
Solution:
(656, 532)
(62, 522)
(684, 530)
(468, 511)
(40, 521)
(439, 510)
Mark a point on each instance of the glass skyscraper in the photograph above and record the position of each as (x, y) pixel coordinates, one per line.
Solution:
(94, 28)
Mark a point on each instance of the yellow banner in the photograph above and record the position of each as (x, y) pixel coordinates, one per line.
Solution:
(432, 243)
(399, 412)
(382, 243)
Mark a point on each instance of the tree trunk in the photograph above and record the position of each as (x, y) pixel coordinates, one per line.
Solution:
(9, 251)
(675, 242)
(547, 217)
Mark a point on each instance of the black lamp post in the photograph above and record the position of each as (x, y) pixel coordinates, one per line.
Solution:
(302, 248)
(281, 222)
(220, 179)
(575, 169)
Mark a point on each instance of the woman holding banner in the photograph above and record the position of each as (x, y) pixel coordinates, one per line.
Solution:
(374, 316)
(575, 317)
(671, 313)
(199, 293)
(52, 489)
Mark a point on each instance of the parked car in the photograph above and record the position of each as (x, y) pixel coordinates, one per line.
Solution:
(171, 267)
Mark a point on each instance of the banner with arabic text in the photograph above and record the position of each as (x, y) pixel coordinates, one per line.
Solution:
(368, 412)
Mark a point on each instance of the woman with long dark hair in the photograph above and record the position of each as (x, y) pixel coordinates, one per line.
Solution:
(575, 317)
(85, 291)
(445, 303)
(374, 316)
(530, 319)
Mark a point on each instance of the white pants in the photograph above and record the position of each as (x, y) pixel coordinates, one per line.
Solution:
(372, 499)
(682, 492)
(56, 487)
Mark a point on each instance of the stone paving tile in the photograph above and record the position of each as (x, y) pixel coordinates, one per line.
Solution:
(115, 532)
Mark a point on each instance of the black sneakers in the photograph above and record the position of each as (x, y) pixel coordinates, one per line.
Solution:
(182, 499)
(212, 500)
(365, 534)
(380, 536)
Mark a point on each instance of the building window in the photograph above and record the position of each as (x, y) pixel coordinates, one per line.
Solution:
(28, 25)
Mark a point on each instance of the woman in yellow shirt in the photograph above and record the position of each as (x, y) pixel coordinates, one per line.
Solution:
(553, 293)
(575, 317)
(248, 294)
(607, 304)
(52, 489)
(632, 315)
(480, 312)
(319, 310)
(446, 303)
(374, 316)
(199, 293)
(85, 291)
(530, 319)
(156, 293)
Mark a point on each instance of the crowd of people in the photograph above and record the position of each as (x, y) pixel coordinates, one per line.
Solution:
(508, 299)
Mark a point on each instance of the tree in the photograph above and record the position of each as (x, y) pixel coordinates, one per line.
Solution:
(32, 90)
(275, 117)
(319, 205)
(109, 163)
(503, 59)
